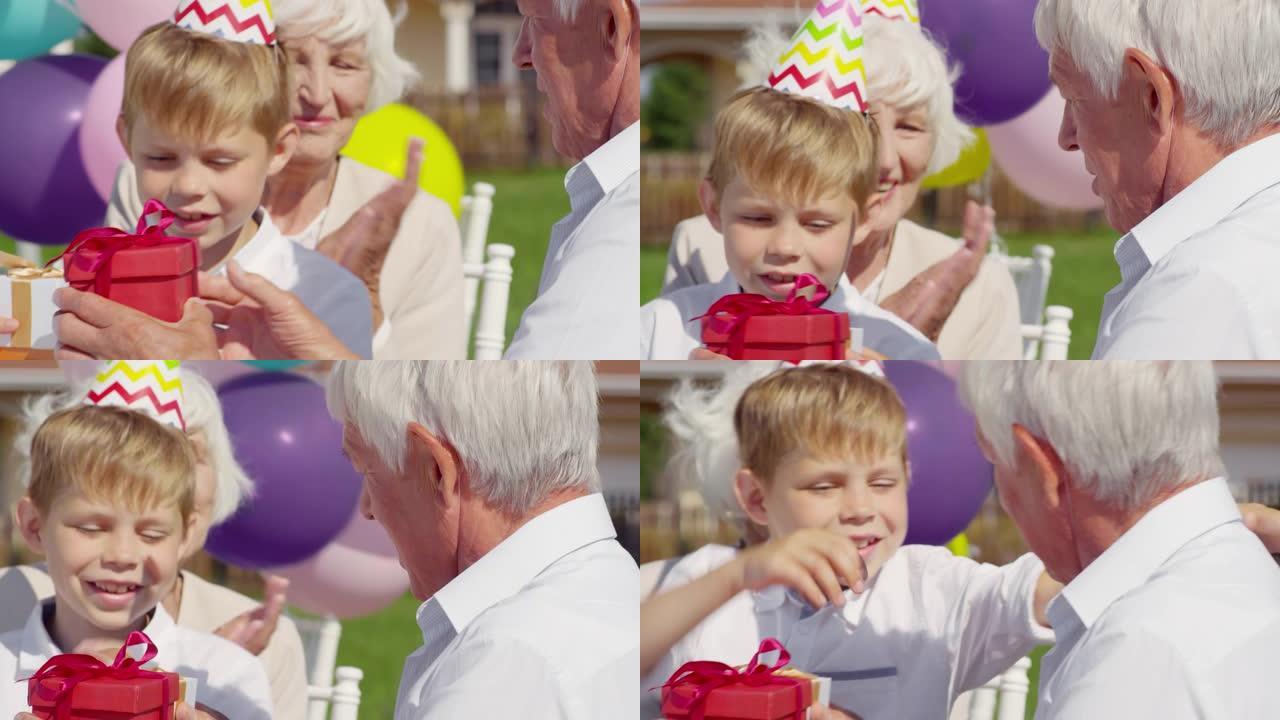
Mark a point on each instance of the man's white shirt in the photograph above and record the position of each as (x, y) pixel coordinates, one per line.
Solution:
(590, 285)
(228, 679)
(930, 626)
(1200, 274)
(545, 625)
(668, 330)
(1178, 619)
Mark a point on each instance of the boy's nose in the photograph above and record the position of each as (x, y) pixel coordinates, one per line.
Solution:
(857, 507)
(188, 183)
(120, 551)
(784, 243)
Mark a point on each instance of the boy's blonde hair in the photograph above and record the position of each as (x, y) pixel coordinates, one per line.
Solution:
(199, 86)
(794, 148)
(823, 411)
(114, 455)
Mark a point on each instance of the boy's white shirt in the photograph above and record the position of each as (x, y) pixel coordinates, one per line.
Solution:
(668, 330)
(930, 627)
(229, 679)
(329, 290)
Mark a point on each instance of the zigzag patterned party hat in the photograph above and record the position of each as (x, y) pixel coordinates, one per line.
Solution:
(908, 10)
(148, 386)
(246, 21)
(824, 60)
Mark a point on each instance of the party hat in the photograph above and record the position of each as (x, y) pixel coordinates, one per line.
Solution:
(908, 10)
(148, 386)
(824, 60)
(246, 21)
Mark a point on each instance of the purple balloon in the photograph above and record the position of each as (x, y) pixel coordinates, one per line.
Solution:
(1003, 69)
(950, 478)
(45, 194)
(306, 490)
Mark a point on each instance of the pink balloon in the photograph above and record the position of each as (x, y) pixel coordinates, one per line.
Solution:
(120, 22)
(357, 574)
(1026, 149)
(100, 148)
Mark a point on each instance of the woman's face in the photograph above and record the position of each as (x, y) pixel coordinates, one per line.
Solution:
(331, 92)
(906, 146)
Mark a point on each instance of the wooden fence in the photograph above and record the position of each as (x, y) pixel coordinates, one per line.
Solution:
(669, 192)
(502, 128)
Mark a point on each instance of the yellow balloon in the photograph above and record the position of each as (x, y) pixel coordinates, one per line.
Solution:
(974, 161)
(959, 545)
(381, 140)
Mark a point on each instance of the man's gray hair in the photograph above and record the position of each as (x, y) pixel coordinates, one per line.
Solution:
(1223, 53)
(1125, 430)
(523, 430)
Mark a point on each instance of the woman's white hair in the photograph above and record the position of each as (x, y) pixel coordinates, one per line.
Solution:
(905, 69)
(1222, 53)
(202, 412)
(1126, 430)
(523, 430)
(341, 21)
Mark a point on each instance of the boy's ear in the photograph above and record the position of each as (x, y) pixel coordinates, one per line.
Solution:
(431, 453)
(123, 134)
(710, 203)
(30, 524)
(750, 493)
(188, 536)
(282, 150)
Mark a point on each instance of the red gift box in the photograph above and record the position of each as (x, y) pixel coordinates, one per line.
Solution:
(147, 270)
(708, 690)
(81, 687)
(745, 326)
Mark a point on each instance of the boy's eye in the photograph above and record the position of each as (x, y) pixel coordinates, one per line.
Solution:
(223, 162)
(756, 218)
(884, 482)
(823, 487)
(154, 536)
(159, 158)
(89, 529)
(820, 224)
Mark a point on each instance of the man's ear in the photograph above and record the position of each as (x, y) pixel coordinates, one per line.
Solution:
(619, 20)
(710, 201)
(283, 148)
(1036, 457)
(30, 523)
(440, 467)
(750, 493)
(1158, 89)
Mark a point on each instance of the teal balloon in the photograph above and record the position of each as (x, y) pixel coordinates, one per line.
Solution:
(276, 365)
(30, 27)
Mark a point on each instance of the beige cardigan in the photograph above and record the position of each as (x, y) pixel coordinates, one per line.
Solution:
(985, 324)
(204, 607)
(421, 282)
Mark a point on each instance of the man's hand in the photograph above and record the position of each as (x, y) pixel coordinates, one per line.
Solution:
(8, 326)
(361, 244)
(814, 561)
(91, 326)
(1264, 522)
(265, 322)
(823, 712)
(199, 712)
(252, 630)
(928, 299)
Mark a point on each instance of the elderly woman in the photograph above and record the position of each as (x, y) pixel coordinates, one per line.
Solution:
(911, 101)
(221, 485)
(408, 253)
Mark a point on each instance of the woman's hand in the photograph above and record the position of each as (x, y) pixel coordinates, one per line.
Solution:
(252, 630)
(1264, 522)
(816, 562)
(362, 243)
(8, 326)
(929, 298)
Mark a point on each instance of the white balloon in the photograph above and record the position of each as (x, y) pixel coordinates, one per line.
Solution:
(1026, 149)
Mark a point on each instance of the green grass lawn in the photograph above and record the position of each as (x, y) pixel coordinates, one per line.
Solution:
(1084, 269)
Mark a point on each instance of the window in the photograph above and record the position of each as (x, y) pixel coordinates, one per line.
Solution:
(488, 47)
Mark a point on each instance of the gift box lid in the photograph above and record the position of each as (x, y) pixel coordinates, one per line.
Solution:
(766, 702)
(170, 257)
(820, 329)
(108, 694)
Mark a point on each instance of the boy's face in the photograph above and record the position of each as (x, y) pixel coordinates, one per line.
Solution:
(865, 501)
(213, 187)
(109, 565)
(769, 243)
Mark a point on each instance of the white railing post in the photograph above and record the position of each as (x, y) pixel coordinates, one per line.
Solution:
(983, 706)
(327, 633)
(491, 328)
(1057, 333)
(346, 693)
(1013, 691)
(475, 229)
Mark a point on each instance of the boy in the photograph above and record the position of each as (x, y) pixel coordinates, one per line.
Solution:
(793, 168)
(110, 505)
(205, 122)
(900, 631)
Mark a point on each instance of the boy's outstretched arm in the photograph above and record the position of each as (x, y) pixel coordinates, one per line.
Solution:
(815, 562)
(1046, 589)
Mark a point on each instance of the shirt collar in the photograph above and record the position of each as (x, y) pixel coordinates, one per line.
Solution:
(1206, 201)
(255, 253)
(614, 161)
(1132, 559)
(38, 646)
(517, 560)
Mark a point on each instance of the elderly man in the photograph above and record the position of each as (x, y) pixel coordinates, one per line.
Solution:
(1111, 471)
(1174, 106)
(587, 57)
(484, 475)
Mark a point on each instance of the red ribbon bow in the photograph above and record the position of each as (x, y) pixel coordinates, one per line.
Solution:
(709, 675)
(730, 311)
(109, 241)
(68, 671)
